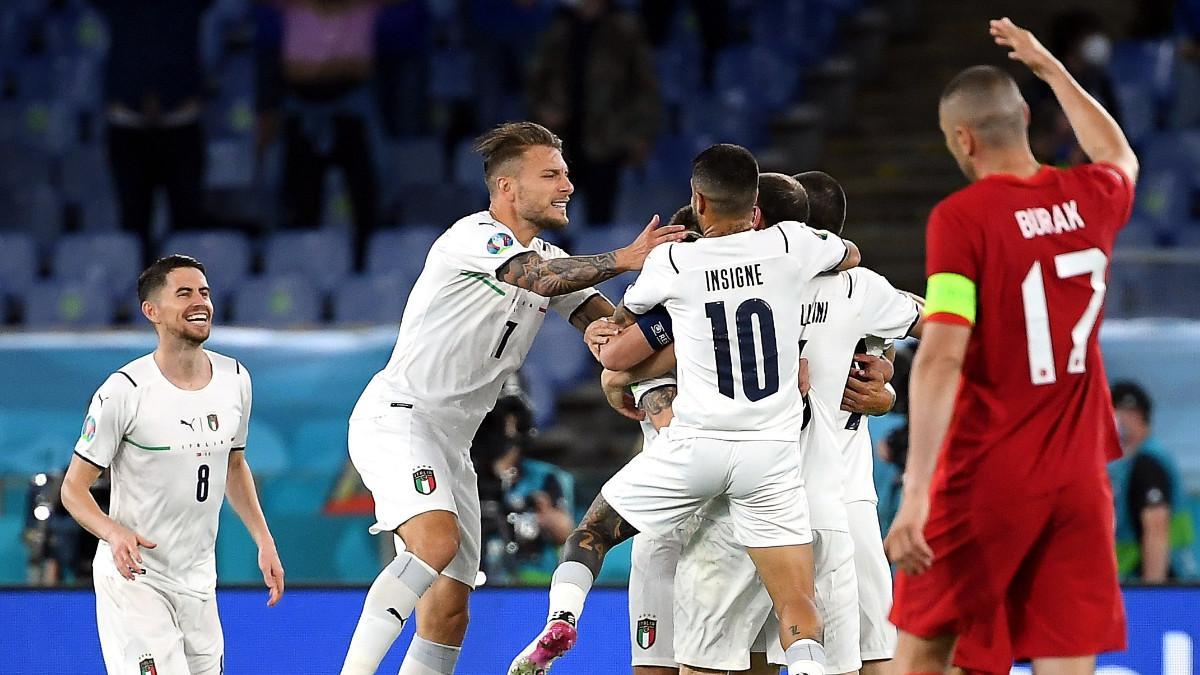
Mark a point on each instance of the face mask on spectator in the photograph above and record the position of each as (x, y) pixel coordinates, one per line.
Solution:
(1096, 50)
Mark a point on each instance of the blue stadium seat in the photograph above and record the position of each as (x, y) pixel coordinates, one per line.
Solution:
(468, 166)
(402, 249)
(451, 75)
(225, 255)
(728, 117)
(107, 260)
(1139, 232)
(18, 262)
(417, 160)
(277, 302)
(321, 256)
(67, 304)
(441, 203)
(1170, 178)
(231, 164)
(563, 356)
(757, 73)
(638, 203)
(371, 299)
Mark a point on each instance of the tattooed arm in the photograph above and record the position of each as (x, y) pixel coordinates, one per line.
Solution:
(560, 276)
(656, 403)
(594, 308)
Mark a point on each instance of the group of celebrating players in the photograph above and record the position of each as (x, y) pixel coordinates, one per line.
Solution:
(756, 542)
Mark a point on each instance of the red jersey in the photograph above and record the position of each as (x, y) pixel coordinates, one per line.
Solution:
(1033, 411)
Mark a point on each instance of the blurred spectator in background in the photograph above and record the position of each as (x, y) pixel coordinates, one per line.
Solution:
(1153, 536)
(592, 81)
(326, 108)
(60, 551)
(1085, 46)
(526, 504)
(153, 86)
(712, 17)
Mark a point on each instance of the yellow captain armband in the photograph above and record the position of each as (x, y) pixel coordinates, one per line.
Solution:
(950, 298)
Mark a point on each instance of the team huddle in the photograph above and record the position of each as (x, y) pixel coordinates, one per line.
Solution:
(753, 347)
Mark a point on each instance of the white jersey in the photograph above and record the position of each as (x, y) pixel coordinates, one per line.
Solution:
(464, 331)
(733, 304)
(839, 312)
(168, 450)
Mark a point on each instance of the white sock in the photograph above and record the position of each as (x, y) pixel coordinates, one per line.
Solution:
(568, 589)
(389, 603)
(429, 658)
(805, 657)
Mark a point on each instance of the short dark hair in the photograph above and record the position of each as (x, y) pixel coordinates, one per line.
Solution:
(1130, 395)
(826, 200)
(154, 277)
(686, 216)
(781, 198)
(992, 103)
(727, 176)
(508, 141)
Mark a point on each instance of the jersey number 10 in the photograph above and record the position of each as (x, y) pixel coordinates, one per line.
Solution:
(1037, 314)
(744, 321)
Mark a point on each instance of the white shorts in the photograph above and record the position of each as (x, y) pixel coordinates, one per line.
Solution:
(652, 596)
(877, 635)
(411, 467)
(145, 629)
(720, 599)
(837, 602)
(671, 479)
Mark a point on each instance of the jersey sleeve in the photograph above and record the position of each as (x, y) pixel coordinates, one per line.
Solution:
(565, 305)
(953, 260)
(106, 422)
(243, 430)
(1113, 190)
(481, 247)
(656, 326)
(819, 250)
(884, 311)
(1149, 484)
(650, 288)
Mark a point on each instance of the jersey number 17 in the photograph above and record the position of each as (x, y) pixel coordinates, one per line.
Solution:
(1037, 315)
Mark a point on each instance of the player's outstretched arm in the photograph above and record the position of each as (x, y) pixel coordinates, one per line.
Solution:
(239, 488)
(1099, 135)
(559, 276)
(77, 497)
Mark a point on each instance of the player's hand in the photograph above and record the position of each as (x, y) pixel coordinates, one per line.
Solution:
(905, 543)
(805, 383)
(619, 398)
(124, 543)
(632, 256)
(866, 388)
(598, 333)
(1025, 47)
(272, 571)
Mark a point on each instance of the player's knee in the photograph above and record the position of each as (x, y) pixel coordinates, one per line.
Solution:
(435, 542)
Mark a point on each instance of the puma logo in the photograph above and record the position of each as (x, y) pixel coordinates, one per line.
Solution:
(188, 424)
(393, 612)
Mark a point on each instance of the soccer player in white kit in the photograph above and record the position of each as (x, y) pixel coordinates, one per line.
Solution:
(733, 436)
(171, 426)
(470, 320)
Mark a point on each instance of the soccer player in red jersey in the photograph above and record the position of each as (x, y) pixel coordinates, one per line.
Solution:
(1006, 500)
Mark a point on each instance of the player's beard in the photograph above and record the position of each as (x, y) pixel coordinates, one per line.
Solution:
(547, 219)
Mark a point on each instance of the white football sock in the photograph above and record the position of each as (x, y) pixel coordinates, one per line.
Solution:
(429, 658)
(568, 589)
(389, 603)
(805, 657)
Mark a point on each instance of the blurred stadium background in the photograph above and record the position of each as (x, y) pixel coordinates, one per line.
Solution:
(308, 152)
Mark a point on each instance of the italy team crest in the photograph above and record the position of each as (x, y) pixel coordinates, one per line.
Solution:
(213, 422)
(146, 666)
(647, 630)
(424, 480)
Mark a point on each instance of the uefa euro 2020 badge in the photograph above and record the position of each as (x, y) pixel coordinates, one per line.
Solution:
(88, 434)
(499, 243)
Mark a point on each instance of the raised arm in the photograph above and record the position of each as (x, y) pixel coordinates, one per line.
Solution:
(559, 276)
(1098, 133)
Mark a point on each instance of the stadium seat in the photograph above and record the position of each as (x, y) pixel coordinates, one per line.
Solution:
(564, 357)
(468, 166)
(417, 160)
(371, 299)
(277, 302)
(1170, 178)
(451, 74)
(401, 249)
(231, 164)
(108, 260)
(320, 256)
(225, 254)
(67, 304)
(637, 203)
(441, 203)
(18, 262)
(34, 209)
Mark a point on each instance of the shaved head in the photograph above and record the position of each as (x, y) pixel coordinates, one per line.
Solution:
(986, 100)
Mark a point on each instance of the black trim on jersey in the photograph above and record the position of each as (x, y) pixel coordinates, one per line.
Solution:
(127, 377)
(785, 239)
(671, 256)
(844, 256)
(850, 279)
(90, 461)
(913, 325)
(238, 364)
(241, 449)
(807, 413)
(397, 404)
